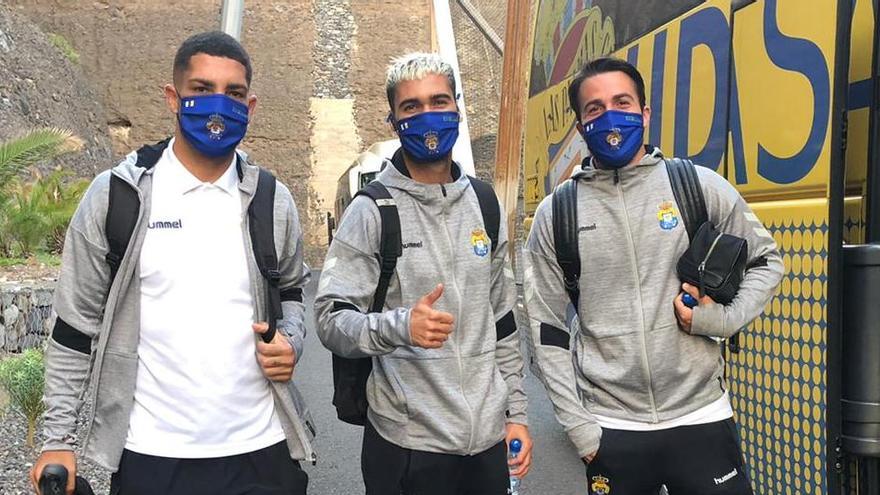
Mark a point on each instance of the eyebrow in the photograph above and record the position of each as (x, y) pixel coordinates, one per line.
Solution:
(433, 97)
(203, 82)
(407, 102)
(613, 98)
(210, 84)
(595, 101)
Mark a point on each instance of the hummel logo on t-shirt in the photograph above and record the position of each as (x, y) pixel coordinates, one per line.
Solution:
(176, 224)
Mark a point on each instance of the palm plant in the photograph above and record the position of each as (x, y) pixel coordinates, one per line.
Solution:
(36, 146)
(23, 378)
(30, 213)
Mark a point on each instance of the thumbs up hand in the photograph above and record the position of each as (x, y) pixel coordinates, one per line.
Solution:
(429, 328)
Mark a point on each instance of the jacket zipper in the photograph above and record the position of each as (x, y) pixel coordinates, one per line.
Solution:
(639, 292)
(702, 268)
(457, 319)
(258, 283)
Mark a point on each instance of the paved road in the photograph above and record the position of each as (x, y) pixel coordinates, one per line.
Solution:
(555, 468)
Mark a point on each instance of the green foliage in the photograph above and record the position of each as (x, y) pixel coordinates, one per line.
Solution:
(36, 146)
(62, 44)
(23, 379)
(35, 215)
(49, 259)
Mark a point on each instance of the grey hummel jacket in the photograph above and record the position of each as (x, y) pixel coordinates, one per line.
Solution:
(455, 399)
(97, 332)
(631, 360)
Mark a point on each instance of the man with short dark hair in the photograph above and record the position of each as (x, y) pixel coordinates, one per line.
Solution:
(644, 399)
(189, 398)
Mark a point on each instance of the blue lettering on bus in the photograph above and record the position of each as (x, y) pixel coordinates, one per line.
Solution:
(707, 27)
(632, 55)
(804, 57)
(657, 74)
(736, 133)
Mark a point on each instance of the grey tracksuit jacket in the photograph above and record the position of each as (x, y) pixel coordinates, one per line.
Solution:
(631, 361)
(97, 332)
(455, 399)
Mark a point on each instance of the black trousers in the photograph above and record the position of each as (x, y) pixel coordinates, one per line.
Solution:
(392, 470)
(690, 460)
(268, 471)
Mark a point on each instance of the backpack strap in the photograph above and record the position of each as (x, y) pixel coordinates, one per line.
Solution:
(565, 237)
(489, 208)
(123, 208)
(688, 193)
(390, 244)
(261, 223)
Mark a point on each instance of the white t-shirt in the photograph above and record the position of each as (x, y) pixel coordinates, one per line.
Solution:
(718, 410)
(200, 392)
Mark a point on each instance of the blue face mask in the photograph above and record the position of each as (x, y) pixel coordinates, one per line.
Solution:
(213, 124)
(429, 136)
(615, 137)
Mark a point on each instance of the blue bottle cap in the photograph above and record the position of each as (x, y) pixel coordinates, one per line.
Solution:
(515, 446)
(688, 300)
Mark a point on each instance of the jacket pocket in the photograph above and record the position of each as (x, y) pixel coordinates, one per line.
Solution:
(385, 392)
(114, 399)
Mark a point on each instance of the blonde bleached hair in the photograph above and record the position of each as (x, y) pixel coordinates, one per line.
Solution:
(415, 66)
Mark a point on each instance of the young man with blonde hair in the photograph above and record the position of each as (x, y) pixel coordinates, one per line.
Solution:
(445, 393)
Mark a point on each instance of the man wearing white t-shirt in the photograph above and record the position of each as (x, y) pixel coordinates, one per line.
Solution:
(190, 399)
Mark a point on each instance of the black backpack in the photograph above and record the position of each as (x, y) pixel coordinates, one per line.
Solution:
(122, 215)
(350, 375)
(688, 195)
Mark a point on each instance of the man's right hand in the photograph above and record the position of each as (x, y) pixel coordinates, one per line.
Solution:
(64, 457)
(429, 328)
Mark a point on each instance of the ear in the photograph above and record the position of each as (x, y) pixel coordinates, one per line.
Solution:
(172, 99)
(252, 106)
(580, 128)
(392, 122)
(646, 116)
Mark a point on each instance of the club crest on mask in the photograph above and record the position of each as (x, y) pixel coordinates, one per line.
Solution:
(432, 141)
(614, 139)
(216, 126)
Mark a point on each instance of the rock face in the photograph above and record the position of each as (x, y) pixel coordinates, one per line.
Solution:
(127, 48)
(40, 86)
(301, 49)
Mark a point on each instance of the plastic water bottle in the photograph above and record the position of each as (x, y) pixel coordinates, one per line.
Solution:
(515, 448)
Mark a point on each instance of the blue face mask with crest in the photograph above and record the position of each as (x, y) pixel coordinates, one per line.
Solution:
(615, 137)
(213, 124)
(428, 136)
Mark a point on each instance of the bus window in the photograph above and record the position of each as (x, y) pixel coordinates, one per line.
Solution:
(366, 178)
(633, 19)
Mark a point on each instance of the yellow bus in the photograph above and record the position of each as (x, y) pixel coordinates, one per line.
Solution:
(776, 95)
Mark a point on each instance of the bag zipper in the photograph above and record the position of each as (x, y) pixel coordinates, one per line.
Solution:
(702, 268)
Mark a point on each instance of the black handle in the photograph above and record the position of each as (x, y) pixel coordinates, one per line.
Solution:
(53, 480)
(270, 333)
